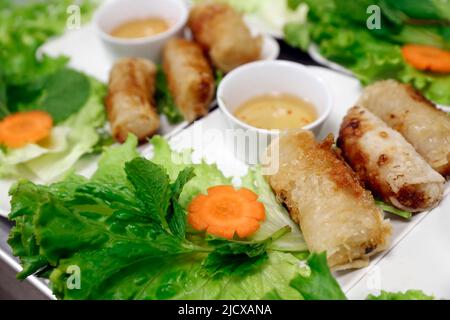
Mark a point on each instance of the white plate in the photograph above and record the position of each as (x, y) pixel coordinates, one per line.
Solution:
(345, 91)
(434, 238)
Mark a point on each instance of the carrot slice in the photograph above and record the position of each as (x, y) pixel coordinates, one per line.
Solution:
(225, 211)
(427, 58)
(21, 128)
(221, 190)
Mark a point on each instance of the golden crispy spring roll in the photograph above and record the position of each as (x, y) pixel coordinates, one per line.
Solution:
(130, 104)
(223, 34)
(387, 163)
(323, 195)
(189, 76)
(417, 119)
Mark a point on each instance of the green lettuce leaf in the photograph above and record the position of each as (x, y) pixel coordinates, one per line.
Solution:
(110, 166)
(407, 295)
(123, 243)
(239, 257)
(374, 55)
(320, 283)
(52, 158)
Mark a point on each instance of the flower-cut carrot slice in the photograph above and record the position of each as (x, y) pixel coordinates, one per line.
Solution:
(225, 211)
(427, 58)
(21, 128)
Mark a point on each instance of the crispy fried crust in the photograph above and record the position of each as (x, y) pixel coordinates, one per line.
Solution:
(325, 197)
(422, 124)
(189, 77)
(129, 104)
(387, 164)
(223, 34)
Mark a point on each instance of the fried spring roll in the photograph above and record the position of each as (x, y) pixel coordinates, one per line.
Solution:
(324, 196)
(222, 32)
(417, 119)
(130, 104)
(387, 163)
(189, 76)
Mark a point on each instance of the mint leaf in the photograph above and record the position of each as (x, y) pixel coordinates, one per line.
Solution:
(152, 186)
(238, 257)
(65, 92)
(320, 284)
(183, 177)
(177, 220)
(176, 217)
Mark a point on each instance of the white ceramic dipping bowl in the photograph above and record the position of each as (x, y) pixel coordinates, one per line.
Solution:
(116, 12)
(262, 77)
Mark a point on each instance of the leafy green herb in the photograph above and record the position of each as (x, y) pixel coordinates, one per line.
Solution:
(391, 209)
(65, 92)
(320, 284)
(3, 108)
(61, 94)
(239, 257)
(164, 99)
(407, 295)
(152, 187)
(176, 216)
(124, 243)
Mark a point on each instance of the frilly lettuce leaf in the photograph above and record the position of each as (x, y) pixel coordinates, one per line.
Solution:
(318, 283)
(111, 229)
(374, 55)
(56, 142)
(52, 158)
(407, 295)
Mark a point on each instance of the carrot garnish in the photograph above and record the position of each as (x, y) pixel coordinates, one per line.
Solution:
(21, 128)
(427, 58)
(225, 211)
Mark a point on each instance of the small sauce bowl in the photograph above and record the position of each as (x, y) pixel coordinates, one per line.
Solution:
(114, 13)
(257, 78)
